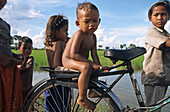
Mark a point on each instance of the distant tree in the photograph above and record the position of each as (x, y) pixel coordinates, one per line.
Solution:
(121, 46)
(132, 45)
(16, 37)
(124, 46)
(107, 47)
(100, 46)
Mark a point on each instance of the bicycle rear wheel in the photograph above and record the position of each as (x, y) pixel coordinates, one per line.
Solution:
(65, 102)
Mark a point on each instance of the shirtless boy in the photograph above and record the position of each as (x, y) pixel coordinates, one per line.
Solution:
(26, 67)
(76, 53)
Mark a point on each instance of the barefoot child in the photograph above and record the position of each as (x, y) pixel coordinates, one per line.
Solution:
(76, 53)
(26, 68)
(156, 65)
(55, 41)
(10, 85)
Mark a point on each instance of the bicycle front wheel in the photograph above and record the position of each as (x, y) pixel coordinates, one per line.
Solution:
(65, 100)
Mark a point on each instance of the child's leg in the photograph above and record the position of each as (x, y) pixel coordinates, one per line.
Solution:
(83, 81)
(83, 85)
(92, 93)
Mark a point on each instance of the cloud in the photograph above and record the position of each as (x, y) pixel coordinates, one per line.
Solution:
(112, 38)
(17, 11)
(138, 42)
(54, 3)
(38, 40)
(106, 39)
(21, 33)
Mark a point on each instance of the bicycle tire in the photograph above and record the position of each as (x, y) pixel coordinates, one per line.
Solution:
(36, 101)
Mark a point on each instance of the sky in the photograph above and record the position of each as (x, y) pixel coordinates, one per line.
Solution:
(122, 21)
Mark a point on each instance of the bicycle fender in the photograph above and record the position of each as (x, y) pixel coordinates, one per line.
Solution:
(36, 86)
(112, 94)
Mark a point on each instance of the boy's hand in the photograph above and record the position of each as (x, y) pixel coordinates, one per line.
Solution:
(97, 67)
(30, 61)
(20, 59)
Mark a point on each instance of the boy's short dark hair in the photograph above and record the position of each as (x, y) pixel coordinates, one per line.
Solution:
(166, 4)
(24, 39)
(86, 6)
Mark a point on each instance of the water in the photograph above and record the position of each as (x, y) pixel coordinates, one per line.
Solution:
(123, 89)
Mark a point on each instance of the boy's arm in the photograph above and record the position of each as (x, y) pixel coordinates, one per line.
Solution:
(27, 63)
(75, 47)
(96, 64)
(94, 52)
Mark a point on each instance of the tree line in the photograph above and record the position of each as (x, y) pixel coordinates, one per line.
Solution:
(122, 46)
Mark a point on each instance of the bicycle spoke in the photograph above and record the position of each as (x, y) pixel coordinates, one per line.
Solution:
(60, 97)
(64, 100)
(51, 105)
(53, 98)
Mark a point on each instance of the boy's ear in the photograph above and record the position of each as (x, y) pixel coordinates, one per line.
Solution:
(77, 23)
(99, 20)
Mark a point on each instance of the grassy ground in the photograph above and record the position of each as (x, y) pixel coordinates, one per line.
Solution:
(41, 59)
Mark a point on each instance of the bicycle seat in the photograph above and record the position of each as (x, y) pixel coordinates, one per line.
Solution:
(124, 55)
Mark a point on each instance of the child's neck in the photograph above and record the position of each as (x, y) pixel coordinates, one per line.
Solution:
(88, 34)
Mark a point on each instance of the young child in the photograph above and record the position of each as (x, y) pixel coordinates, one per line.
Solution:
(26, 67)
(10, 85)
(76, 53)
(55, 41)
(156, 65)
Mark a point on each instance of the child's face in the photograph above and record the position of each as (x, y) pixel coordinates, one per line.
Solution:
(25, 49)
(2, 3)
(159, 17)
(88, 20)
(62, 33)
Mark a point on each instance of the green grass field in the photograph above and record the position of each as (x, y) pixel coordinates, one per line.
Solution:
(41, 59)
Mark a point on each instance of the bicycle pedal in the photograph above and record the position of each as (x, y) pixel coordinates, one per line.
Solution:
(128, 109)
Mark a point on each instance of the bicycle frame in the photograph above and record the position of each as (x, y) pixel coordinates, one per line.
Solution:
(136, 88)
(121, 73)
(154, 107)
(112, 94)
(97, 83)
(160, 104)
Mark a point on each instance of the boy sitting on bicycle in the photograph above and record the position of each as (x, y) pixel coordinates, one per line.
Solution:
(76, 53)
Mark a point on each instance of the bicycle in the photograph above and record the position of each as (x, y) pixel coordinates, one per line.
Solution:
(107, 102)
